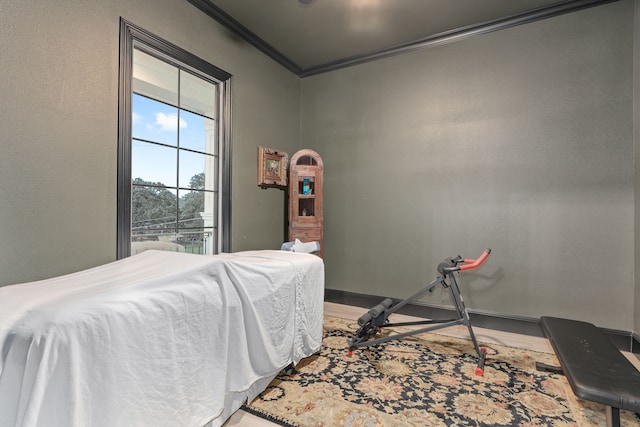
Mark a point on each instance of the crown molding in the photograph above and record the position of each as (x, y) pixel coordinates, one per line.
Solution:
(437, 39)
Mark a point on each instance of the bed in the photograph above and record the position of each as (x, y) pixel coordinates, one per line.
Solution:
(156, 339)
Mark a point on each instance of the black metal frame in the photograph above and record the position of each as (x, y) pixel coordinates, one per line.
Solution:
(132, 36)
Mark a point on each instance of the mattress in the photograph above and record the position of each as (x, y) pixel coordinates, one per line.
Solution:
(159, 338)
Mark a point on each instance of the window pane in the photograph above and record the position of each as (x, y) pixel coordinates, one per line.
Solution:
(197, 170)
(155, 78)
(153, 212)
(153, 164)
(154, 121)
(198, 133)
(197, 95)
(191, 208)
(200, 241)
(197, 208)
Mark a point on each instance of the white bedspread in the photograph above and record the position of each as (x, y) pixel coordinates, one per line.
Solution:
(157, 339)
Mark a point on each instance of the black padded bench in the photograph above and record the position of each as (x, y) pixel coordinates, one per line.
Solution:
(596, 370)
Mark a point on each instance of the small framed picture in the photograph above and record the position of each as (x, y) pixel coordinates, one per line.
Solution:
(272, 167)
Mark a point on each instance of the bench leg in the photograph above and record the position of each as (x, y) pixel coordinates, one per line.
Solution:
(613, 417)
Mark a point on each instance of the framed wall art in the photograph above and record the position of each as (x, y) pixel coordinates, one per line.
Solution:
(272, 167)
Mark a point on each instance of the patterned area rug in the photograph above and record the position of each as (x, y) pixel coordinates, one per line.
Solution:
(426, 380)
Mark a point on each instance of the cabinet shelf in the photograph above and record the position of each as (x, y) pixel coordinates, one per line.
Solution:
(305, 198)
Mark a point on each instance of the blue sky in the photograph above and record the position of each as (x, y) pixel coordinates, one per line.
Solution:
(161, 123)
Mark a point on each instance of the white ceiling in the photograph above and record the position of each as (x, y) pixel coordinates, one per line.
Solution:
(310, 38)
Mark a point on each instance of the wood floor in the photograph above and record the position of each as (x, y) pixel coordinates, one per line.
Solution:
(244, 419)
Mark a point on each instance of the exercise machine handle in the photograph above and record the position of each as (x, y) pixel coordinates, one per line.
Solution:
(450, 265)
(474, 263)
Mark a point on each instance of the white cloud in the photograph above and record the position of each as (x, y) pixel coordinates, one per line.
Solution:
(169, 122)
(135, 117)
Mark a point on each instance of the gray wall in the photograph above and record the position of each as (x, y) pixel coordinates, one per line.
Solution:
(636, 141)
(520, 140)
(58, 143)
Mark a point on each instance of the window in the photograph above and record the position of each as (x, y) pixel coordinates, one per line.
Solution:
(173, 171)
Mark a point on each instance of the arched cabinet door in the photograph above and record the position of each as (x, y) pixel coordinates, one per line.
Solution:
(305, 198)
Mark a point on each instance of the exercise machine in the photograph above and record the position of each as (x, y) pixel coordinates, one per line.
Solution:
(377, 318)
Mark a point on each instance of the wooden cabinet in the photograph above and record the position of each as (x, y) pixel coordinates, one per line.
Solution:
(305, 198)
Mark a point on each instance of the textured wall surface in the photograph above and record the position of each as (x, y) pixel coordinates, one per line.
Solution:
(520, 140)
(59, 119)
